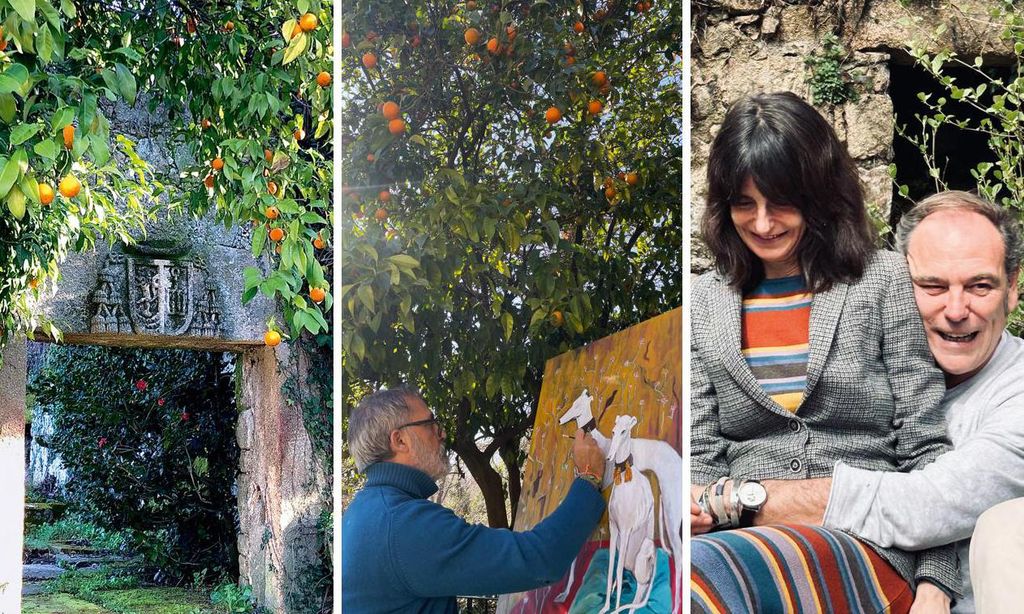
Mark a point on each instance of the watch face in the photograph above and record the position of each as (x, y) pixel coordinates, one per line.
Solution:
(752, 494)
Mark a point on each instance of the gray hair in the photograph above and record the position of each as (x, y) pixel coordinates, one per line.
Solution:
(955, 200)
(372, 421)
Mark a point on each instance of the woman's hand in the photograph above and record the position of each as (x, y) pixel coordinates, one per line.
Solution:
(929, 600)
(700, 521)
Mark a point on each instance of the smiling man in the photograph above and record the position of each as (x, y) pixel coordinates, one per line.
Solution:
(401, 552)
(964, 256)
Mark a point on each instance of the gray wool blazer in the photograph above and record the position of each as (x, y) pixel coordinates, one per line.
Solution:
(871, 400)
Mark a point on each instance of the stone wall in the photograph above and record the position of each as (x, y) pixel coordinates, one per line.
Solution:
(282, 486)
(740, 47)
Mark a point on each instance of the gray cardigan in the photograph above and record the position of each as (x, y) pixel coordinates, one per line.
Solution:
(872, 397)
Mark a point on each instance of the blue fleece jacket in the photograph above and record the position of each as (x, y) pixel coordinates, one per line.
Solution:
(403, 553)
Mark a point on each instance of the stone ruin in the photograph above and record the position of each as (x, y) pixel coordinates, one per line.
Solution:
(180, 286)
(741, 47)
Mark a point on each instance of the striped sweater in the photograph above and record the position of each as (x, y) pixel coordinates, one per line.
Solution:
(776, 321)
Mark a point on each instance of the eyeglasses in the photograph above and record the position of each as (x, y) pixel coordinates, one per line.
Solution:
(431, 420)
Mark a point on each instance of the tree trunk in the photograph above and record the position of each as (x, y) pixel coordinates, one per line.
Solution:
(488, 480)
(510, 456)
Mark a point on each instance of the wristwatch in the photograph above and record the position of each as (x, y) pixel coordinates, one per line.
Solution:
(748, 498)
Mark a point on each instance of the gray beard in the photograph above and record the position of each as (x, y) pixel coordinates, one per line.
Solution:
(436, 466)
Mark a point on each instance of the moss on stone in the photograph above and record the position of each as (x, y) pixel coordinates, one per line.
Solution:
(152, 600)
(58, 603)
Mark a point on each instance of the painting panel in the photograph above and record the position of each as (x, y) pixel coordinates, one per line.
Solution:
(636, 372)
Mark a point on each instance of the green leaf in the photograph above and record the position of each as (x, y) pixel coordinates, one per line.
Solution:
(365, 294)
(357, 347)
(259, 238)
(46, 149)
(44, 45)
(8, 107)
(25, 8)
(24, 132)
(8, 175)
(506, 324)
(126, 83)
(404, 261)
(68, 7)
(9, 85)
(62, 117)
(295, 48)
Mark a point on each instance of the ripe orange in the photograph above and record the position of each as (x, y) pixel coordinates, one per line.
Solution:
(608, 182)
(370, 157)
(599, 78)
(578, 27)
(472, 36)
(205, 124)
(317, 295)
(396, 126)
(217, 164)
(384, 196)
(208, 181)
(318, 242)
(323, 79)
(553, 115)
(190, 25)
(511, 32)
(557, 319)
(369, 60)
(268, 155)
(570, 49)
(272, 338)
(381, 214)
(610, 192)
(570, 60)
(621, 175)
(45, 193)
(272, 213)
(229, 26)
(632, 178)
(308, 22)
(272, 188)
(346, 40)
(3, 44)
(33, 283)
(276, 234)
(471, 4)
(416, 41)
(390, 110)
(492, 45)
(69, 186)
(594, 107)
(299, 134)
(69, 136)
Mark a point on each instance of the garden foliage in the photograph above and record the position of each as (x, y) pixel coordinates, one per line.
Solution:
(149, 440)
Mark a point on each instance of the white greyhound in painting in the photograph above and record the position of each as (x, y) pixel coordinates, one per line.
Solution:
(648, 455)
(630, 522)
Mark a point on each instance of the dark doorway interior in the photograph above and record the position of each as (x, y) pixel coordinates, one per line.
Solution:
(957, 151)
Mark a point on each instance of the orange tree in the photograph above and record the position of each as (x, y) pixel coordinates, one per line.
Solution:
(65, 181)
(247, 87)
(511, 191)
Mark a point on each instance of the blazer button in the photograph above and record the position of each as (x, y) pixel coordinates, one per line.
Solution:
(794, 465)
(794, 425)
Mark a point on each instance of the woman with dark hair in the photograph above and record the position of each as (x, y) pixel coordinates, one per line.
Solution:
(807, 348)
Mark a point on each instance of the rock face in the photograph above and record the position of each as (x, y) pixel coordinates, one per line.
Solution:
(180, 286)
(746, 47)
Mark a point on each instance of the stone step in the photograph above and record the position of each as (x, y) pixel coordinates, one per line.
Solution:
(40, 572)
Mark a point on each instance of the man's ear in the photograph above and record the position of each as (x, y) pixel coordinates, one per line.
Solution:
(399, 442)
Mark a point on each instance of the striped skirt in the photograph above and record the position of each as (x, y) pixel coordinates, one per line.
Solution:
(792, 569)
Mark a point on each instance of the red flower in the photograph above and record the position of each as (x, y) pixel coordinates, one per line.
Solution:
(160, 402)
(102, 442)
(141, 385)
(184, 416)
